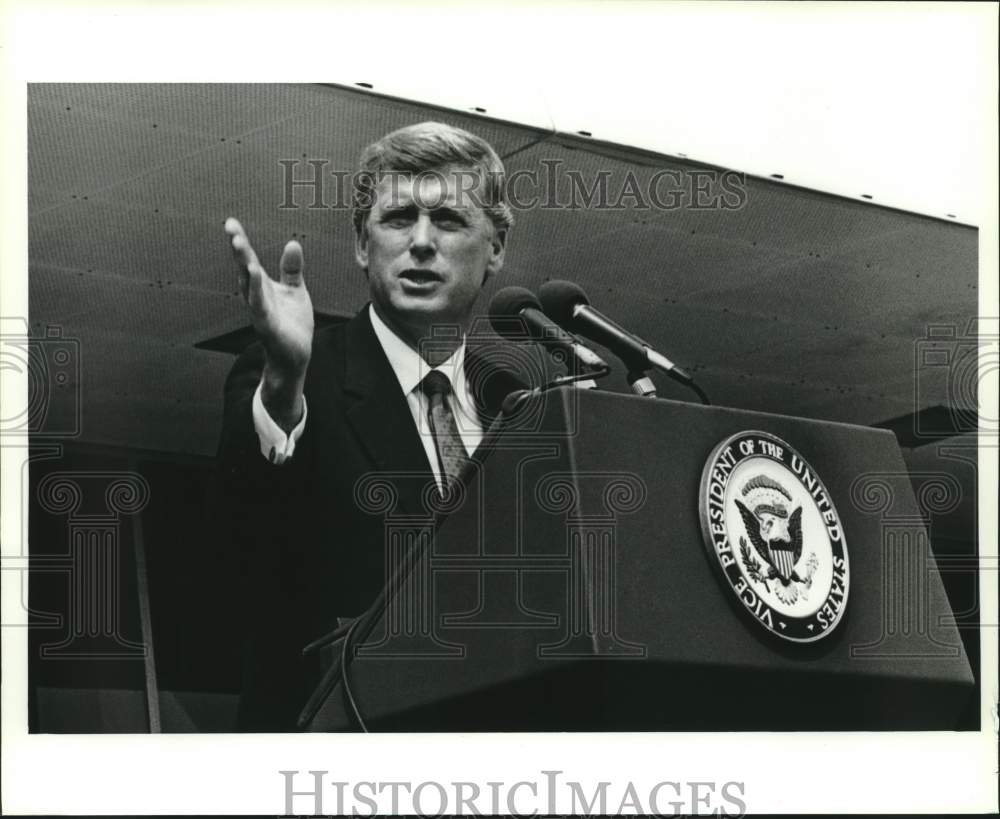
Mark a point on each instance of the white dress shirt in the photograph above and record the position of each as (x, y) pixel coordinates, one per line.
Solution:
(410, 370)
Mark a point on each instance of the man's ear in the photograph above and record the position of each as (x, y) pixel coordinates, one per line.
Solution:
(498, 248)
(361, 244)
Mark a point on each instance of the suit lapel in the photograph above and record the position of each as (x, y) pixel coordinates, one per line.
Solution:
(379, 414)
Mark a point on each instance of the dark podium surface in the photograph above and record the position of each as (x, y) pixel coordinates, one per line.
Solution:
(570, 589)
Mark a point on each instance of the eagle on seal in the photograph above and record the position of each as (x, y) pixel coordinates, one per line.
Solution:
(776, 535)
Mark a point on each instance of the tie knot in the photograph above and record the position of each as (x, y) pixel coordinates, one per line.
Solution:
(435, 383)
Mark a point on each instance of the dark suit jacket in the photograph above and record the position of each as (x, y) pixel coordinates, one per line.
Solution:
(308, 552)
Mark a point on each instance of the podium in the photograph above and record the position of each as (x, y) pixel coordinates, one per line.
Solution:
(575, 585)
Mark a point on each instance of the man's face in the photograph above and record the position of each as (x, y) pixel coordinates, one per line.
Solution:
(428, 248)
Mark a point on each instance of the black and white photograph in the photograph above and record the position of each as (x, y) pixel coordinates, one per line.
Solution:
(581, 408)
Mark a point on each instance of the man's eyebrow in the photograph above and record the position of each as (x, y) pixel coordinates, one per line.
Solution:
(398, 208)
(451, 210)
(401, 208)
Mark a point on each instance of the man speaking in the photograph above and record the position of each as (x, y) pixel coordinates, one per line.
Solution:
(307, 414)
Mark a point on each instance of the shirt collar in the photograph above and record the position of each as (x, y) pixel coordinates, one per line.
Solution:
(410, 368)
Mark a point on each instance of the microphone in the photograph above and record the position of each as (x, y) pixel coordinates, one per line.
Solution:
(566, 303)
(521, 304)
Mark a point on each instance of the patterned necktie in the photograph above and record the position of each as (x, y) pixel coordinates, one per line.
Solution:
(448, 443)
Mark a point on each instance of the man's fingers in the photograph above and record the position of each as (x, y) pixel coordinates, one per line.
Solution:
(244, 253)
(252, 284)
(291, 263)
(233, 227)
(251, 273)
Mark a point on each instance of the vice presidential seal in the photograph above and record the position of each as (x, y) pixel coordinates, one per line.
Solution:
(772, 530)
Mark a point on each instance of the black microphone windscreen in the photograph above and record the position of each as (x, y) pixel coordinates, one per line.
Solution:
(558, 299)
(512, 300)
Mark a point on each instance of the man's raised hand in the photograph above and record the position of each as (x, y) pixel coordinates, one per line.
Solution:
(282, 315)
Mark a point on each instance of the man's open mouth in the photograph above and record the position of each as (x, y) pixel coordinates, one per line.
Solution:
(419, 276)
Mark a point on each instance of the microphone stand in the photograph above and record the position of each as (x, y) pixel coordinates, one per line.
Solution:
(641, 384)
(586, 380)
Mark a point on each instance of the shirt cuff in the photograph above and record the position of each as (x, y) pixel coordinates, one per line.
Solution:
(275, 445)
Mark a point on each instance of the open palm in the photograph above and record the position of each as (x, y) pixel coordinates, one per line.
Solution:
(281, 308)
